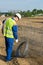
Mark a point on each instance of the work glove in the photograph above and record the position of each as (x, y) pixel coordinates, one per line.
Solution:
(16, 40)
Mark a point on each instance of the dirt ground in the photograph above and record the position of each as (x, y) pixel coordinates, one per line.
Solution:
(32, 30)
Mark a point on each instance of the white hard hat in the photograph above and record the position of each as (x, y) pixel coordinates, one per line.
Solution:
(18, 15)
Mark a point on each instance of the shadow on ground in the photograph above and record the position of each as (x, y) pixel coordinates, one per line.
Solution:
(2, 57)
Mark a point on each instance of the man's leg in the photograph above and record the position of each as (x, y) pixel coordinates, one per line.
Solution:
(6, 43)
(9, 46)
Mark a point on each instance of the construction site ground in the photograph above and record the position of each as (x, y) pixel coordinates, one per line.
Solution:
(32, 30)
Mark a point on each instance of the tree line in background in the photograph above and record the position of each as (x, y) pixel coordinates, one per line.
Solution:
(34, 12)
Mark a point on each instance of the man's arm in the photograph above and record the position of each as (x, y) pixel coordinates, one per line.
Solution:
(15, 32)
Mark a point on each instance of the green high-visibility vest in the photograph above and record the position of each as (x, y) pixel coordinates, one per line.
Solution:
(8, 28)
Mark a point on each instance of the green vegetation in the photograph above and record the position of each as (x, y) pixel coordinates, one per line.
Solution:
(34, 12)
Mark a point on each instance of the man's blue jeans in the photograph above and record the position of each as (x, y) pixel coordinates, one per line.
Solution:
(9, 46)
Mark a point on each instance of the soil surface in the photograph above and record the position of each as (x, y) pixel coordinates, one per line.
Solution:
(33, 32)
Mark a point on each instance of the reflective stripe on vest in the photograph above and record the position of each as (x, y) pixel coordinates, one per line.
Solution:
(8, 28)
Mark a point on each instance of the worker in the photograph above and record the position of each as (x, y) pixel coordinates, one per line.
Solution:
(11, 34)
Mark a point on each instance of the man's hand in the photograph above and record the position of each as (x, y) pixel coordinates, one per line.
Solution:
(16, 40)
